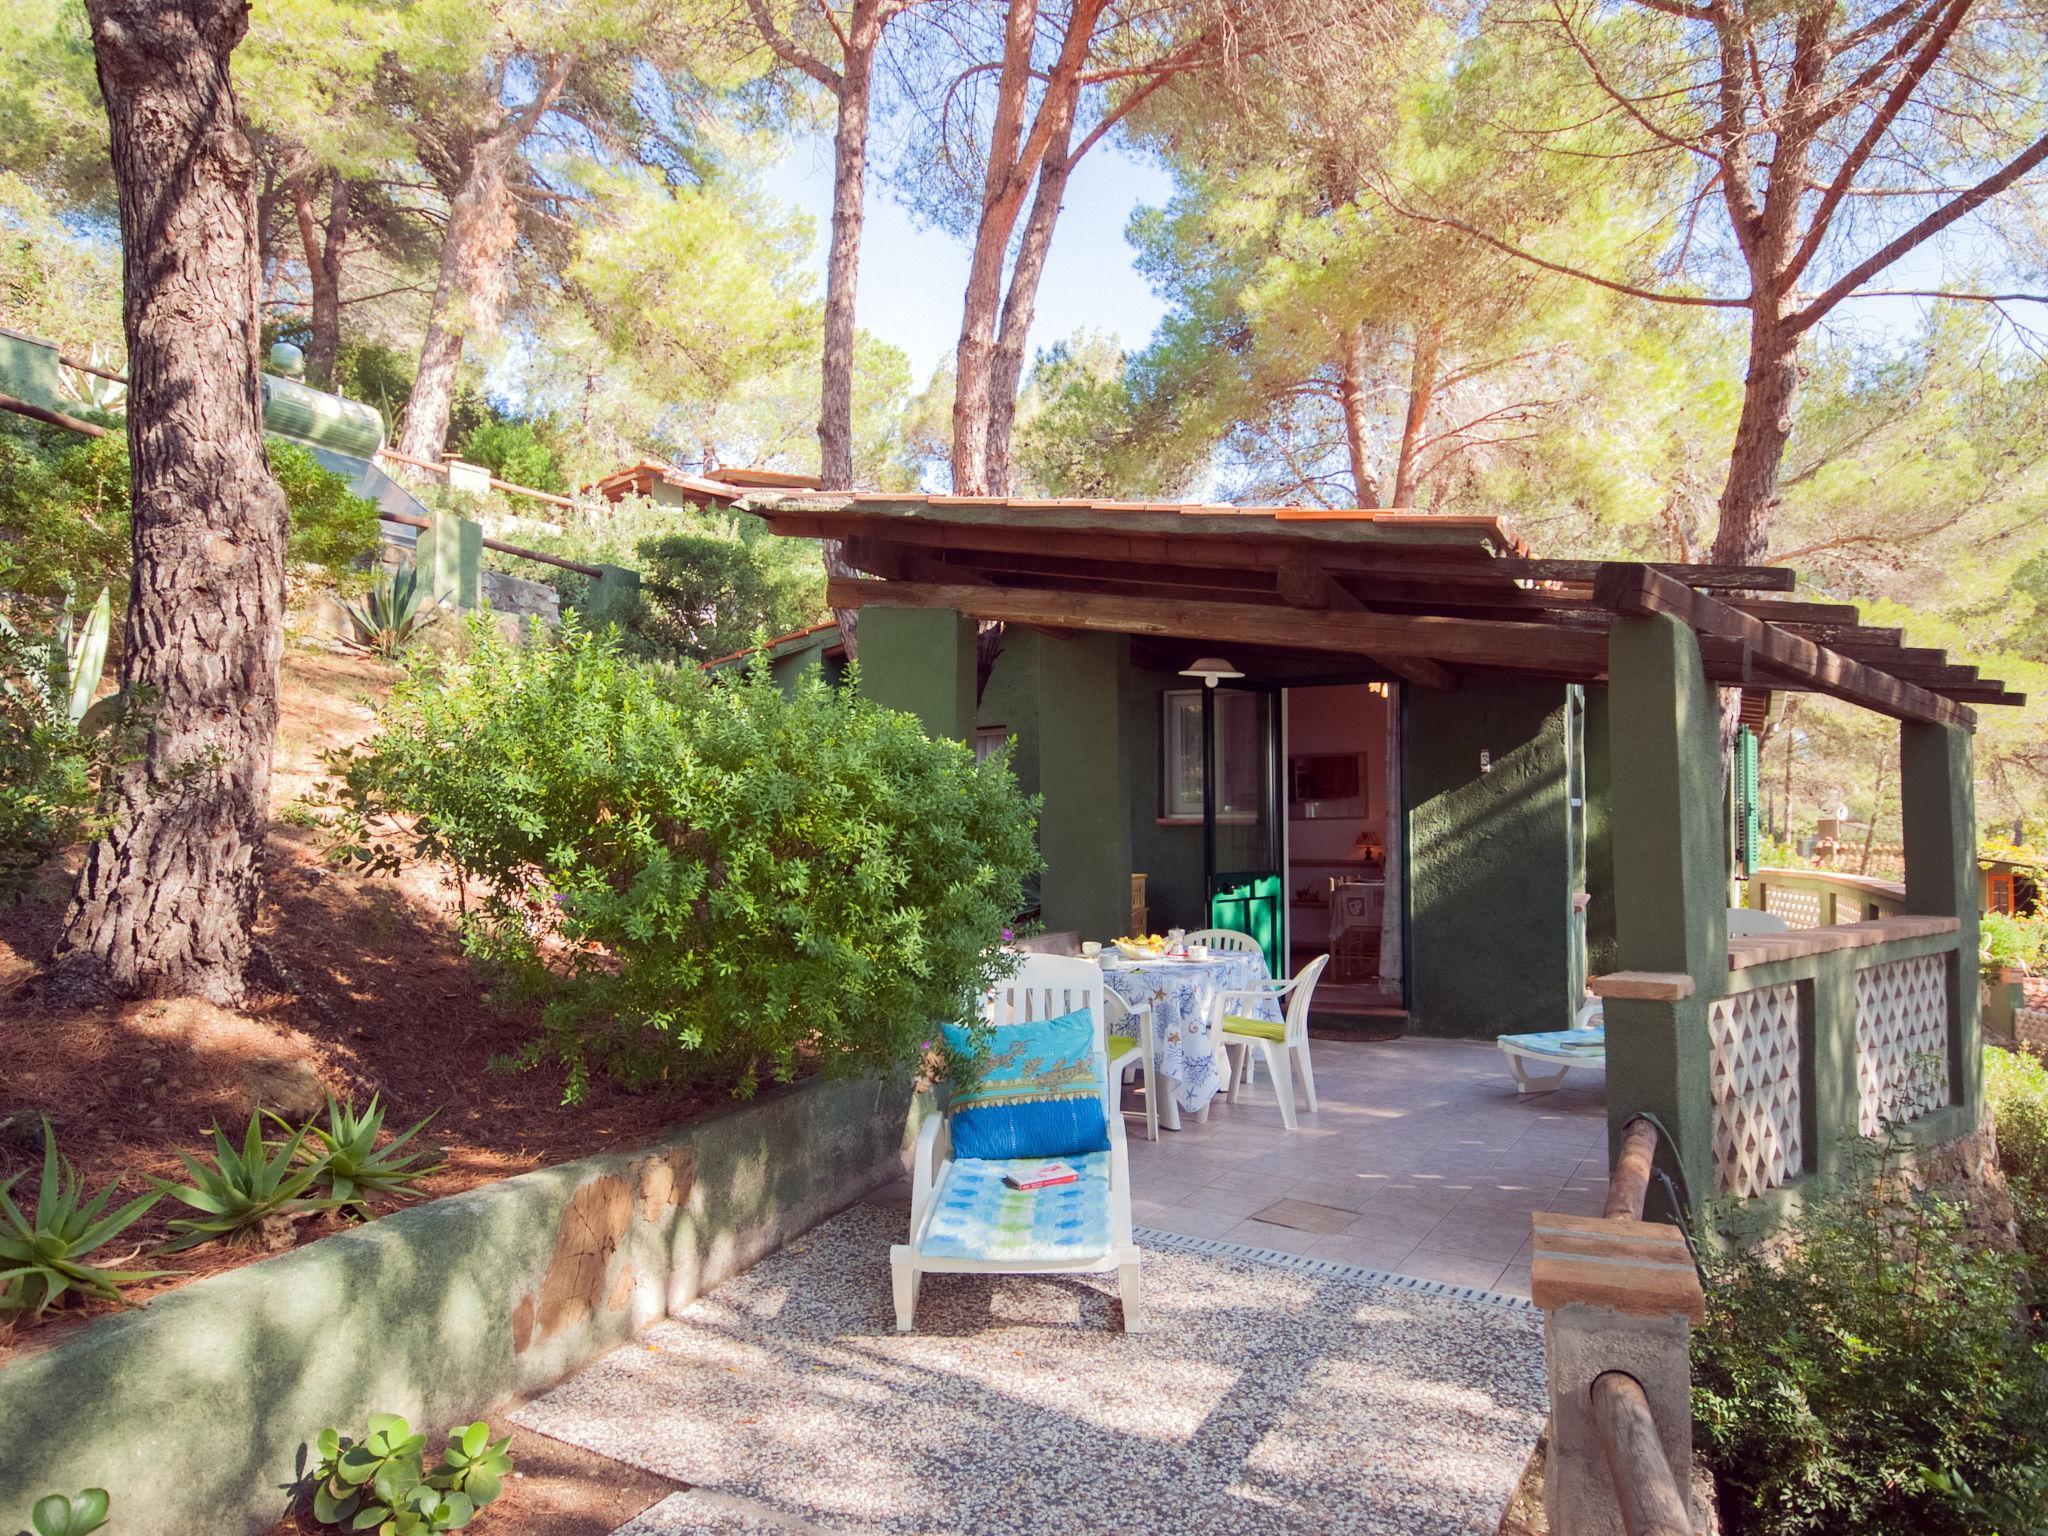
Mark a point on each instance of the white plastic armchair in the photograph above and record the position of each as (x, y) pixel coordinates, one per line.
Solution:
(1225, 941)
(1284, 1045)
(1132, 1043)
(946, 1194)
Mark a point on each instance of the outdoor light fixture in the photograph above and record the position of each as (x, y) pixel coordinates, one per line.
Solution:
(1211, 670)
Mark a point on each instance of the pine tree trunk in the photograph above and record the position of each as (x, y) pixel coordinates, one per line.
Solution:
(1421, 391)
(323, 270)
(1750, 493)
(165, 901)
(1364, 485)
(470, 287)
(842, 266)
(1006, 376)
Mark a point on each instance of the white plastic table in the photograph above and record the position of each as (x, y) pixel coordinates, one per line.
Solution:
(1182, 995)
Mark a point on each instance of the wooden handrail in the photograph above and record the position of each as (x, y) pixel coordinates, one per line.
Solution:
(496, 484)
(595, 573)
(1628, 1187)
(1651, 1501)
(52, 418)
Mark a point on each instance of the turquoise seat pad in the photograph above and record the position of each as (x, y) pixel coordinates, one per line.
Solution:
(975, 1215)
(1564, 1044)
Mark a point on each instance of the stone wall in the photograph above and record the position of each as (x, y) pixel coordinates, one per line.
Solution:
(194, 1411)
(519, 598)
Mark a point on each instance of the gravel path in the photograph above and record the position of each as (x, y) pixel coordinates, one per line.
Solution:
(1268, 1398)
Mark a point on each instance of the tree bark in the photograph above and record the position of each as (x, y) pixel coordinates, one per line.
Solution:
(1006, 376)
(855, 91)
(1750, 492)
(165, 901)
(469, 288)
(1351, 395)
(323, 270)
(1421, 390)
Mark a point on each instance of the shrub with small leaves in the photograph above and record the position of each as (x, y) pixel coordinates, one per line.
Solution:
(378, 1483)
(350, 1164)
(43, 1252)
(243, 1188)
(56, 1515)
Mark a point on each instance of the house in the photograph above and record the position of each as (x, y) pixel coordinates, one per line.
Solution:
(1413, 725)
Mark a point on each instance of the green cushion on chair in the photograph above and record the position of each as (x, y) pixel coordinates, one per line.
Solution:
(1258, 1029)
(1119, 1045)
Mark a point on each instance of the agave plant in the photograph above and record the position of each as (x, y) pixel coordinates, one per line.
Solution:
(351, 1164)
(55, 1515)
(392, 613)
(43, 1254)
(67, 675)
(243, 1187)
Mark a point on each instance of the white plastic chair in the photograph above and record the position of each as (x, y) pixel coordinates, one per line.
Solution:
(1226, 941)
(1132, 1045)
(1044, 987)
(1743, 922)
(1284, 1045)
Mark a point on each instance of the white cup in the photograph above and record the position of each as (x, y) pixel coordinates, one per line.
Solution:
(1198, 951)
(1090, 949)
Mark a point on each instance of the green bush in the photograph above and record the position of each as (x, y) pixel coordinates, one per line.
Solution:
(2004, 940)
(64, 509)
(713, 591)
(514, 452)
(1871, 1376)
(706, 881)
(2016, 1090)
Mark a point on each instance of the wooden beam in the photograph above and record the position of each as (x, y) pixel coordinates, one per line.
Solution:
(1305, 584)
(1546, 650)
(1638, 589)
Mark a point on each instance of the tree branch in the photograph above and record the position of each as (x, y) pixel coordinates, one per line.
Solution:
(786, 49)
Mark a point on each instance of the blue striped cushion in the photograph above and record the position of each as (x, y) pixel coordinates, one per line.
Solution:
(1036, 1093)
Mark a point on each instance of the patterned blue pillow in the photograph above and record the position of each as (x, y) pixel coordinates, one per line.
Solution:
(1037, 1092)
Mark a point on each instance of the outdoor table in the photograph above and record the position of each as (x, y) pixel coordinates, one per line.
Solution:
(1182, 995)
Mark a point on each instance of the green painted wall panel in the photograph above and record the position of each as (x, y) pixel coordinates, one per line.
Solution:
(920, 660)
(1084, 772)
(1489, 869)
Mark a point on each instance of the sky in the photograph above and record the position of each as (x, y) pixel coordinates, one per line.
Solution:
(912, 278)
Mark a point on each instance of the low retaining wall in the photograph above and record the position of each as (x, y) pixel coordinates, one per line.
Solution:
(193, 1410)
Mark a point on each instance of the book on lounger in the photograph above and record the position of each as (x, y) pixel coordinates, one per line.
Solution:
(1044, 1176)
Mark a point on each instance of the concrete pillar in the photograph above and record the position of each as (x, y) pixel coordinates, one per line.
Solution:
(1938, 804)
(1084, 775)
(449, 557)
(1616, 1295)
(1670, 883)
(611, 596)
(920, 660)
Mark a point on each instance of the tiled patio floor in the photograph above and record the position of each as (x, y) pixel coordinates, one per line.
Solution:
(1422, 1161)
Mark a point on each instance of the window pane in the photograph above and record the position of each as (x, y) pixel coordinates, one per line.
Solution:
(1182, 751)
(1237, 751)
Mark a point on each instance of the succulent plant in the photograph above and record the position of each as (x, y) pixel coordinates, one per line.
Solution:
(43, 1252)
(392, 613)
(350, 1163)
(242, 1188)
(377, 1484)
(56, 1515)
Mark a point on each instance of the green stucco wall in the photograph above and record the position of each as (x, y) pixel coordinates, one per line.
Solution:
(1489, 868)
(1084, 772)
(1938, 805)
(194, 1411)
(920, 660)
(1599, 871)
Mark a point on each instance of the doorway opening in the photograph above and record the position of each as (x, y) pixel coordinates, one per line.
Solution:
(1345, 895)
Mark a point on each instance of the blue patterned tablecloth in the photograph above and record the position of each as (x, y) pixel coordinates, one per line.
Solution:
(1183, 995)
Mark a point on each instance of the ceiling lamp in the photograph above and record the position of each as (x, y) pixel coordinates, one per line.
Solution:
(1211, 670)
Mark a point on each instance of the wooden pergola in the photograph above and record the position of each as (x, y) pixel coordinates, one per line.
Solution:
(1426, 597)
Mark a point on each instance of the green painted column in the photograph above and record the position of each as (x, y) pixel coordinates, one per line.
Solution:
(449, 557)
(1938, 803)
(1599, 836)
(1084, 773)
(611, 597)
(920, 660)
(1670, 882)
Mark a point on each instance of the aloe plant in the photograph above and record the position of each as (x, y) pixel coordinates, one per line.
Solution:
(243, 1187)
(56, 1515)
(43, 1254)
(392, 613)
(350, 1163)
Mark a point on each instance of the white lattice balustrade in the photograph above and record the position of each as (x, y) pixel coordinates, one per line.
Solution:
(1802, 909)
(1901, 1041)
(1755, 1038)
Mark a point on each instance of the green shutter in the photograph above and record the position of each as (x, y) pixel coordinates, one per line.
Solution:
(1748, 830)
